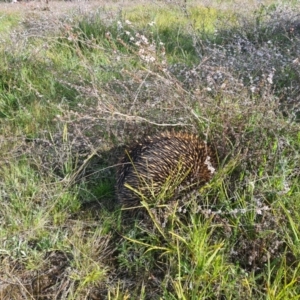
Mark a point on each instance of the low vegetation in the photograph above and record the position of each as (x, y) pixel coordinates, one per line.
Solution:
(76, 87)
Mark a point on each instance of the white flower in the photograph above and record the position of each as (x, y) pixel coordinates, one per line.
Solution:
(147, 58)
(209, 165)
(119, 25)
(144, 39)
(258, 211)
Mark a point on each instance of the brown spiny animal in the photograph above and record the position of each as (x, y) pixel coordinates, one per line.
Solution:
(166, 165)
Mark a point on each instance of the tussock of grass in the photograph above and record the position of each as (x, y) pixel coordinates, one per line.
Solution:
(75, 89)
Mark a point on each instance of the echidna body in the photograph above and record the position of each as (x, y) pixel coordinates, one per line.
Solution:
(167, 161)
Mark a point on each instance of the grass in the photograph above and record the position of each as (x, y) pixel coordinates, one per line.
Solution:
(8, 21)
(75, 90)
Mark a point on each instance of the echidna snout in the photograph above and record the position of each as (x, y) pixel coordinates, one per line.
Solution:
(168, 164)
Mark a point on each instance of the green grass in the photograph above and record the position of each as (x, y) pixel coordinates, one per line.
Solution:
(70, 100)
(8, 21)
(176, 27)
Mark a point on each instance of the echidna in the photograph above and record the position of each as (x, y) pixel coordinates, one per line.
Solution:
(164, 165)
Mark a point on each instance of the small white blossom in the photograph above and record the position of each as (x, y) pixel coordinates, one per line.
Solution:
(119, 25)
(258, 211)
(144, 39)
(209, 165)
